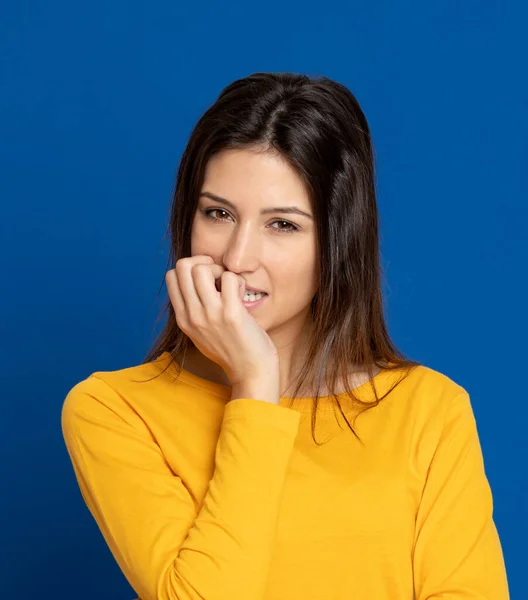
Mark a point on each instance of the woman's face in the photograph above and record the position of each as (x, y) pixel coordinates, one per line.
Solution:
(273, 251)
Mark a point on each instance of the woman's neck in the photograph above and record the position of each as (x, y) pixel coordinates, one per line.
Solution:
(198, 364)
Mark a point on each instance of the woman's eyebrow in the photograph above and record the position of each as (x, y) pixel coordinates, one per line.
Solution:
(265, 211)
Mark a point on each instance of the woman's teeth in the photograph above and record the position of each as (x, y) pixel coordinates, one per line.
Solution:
(251, 297)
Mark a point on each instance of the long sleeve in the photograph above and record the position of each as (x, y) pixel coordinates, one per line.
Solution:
(167, 548)
(457, 552)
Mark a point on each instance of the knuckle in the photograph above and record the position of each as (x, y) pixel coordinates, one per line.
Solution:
(231, 317)
(182, 323)
(179, 266)
(214, 317)
(193, 322)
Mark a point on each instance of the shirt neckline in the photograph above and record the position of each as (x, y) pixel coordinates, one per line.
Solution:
(363, 392)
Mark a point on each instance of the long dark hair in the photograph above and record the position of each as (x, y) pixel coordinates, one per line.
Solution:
(318, 126)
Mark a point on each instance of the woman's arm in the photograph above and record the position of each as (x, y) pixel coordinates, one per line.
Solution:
(457, 552)
(166, 546)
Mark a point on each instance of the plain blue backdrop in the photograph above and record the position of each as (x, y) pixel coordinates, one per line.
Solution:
(96, 103)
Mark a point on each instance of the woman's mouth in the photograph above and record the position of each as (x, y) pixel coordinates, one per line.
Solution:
(253, 300)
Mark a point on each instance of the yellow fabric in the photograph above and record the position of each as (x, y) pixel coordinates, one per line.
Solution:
(201, 498)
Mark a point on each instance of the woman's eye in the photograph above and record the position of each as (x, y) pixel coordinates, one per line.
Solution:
(218, 210)
(290, 227)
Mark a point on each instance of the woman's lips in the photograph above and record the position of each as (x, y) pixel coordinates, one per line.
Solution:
(254, 304)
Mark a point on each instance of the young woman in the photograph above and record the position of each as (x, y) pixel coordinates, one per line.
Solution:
(201, 469)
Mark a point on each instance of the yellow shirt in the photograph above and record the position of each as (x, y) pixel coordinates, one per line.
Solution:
(201, 498)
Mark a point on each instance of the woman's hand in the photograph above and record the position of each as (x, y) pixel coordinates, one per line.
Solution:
(217, 322)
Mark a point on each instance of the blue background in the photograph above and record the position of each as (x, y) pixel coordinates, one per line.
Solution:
(96, 103)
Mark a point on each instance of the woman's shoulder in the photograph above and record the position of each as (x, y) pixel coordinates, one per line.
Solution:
(121, 380)
(147, 393)
(110, 393)
(425, 393)
(424, 377)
